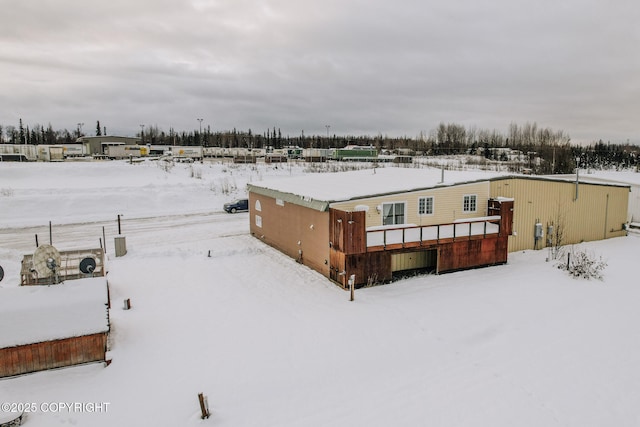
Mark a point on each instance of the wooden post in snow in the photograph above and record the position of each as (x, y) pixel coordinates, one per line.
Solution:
(204, 406)
(352, 280)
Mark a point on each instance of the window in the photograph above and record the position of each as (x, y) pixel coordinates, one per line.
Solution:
(393, 213)
(258, 221)
(258, 206)
(425, 206)
(469, 203)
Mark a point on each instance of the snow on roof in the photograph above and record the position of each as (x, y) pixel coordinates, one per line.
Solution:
(342, 186)
(624, 179)
(32, 314)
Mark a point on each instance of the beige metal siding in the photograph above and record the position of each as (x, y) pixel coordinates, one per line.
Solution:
(414, 260)
(447, 204)
(598, 213)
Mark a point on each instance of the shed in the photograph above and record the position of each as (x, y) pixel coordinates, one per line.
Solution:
(47, 327)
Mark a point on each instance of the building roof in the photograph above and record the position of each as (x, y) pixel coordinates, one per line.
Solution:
(33, 314)
(318, 190)
(107, 138)
(625, 178)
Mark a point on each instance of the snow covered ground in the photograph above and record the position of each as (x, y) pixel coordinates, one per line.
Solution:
(272, 343)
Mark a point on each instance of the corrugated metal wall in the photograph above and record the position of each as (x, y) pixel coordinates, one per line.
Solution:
(634, 204)
(599, 211)
(414, 260)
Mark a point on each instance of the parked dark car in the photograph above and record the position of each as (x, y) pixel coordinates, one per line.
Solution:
(239, 205)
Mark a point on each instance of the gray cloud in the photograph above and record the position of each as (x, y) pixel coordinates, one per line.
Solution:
(371, 67)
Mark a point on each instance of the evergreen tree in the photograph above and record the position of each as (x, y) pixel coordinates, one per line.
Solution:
(21, 133)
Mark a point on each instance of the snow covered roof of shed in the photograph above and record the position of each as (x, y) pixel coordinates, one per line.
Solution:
(318, 190)
(33, 314)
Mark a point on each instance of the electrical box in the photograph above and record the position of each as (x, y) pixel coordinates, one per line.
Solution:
(120, 244)
(549, 234)
(538, 231)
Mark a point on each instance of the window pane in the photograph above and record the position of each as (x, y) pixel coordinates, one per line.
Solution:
(399, 213)
(387, 214)
(469, 204)
(429, 206)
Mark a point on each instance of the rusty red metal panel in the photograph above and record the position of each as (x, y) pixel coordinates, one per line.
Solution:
(52, 354)
(347, 231)
(472, 253)
(370, 266)
(356, 235)
(504, 208)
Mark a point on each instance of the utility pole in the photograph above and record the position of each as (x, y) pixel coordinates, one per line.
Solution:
(142, 133)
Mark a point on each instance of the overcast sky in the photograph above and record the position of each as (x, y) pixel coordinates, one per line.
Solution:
(362, 67)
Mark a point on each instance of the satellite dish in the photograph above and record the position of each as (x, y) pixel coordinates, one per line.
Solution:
(46, 260)
(1, 273)
(88, 265)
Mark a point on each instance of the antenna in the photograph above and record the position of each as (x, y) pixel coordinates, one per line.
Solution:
(46, 261)
(88, 265)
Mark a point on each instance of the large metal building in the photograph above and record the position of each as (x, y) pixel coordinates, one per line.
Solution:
(584, 210)
(375, 223)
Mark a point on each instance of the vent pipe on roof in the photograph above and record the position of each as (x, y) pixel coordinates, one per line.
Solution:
(441, 174)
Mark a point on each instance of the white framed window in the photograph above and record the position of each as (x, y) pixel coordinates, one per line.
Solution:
(279, 202)
(258, 221)
(469, 203)
(258, 206)
(425, 205)
(393, 213)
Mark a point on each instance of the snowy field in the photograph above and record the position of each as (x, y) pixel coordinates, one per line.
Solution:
(272, 343)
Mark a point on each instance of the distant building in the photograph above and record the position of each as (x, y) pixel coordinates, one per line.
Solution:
(96, 145)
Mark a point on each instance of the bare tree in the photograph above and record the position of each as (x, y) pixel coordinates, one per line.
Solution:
(555, 234)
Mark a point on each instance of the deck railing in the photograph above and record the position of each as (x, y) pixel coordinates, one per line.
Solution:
(381, 238)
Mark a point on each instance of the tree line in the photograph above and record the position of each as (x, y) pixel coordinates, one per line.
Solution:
(543, 149)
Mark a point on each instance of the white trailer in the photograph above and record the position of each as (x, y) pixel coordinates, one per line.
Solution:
(194, 152)
(18, 153)
(126, 151)
(74, 150)
(50, 153)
